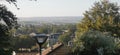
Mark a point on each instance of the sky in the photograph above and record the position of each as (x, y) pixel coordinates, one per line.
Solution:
(50, 8)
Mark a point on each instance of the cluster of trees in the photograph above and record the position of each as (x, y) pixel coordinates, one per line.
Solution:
(99, 31)
(65, 38)
(23, 40)
(96, 43)
(8, 22)
(68, 36)
(44, 28)
(104, 17)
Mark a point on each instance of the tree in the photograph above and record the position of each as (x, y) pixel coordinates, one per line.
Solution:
(103, 16)
(65, 38)
(8, 21)
(43, 29)
(8, 17)
(95, 43)
(24, 41)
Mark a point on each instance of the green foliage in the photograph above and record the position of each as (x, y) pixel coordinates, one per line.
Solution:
(5, 52)
(43, 29)
(64, 38)
(8, 17)
(8, 21)
(103, 16)
(4, 37)
(91, 41)
(24, 41)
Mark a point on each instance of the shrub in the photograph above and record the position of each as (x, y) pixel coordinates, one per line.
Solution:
(95, 43)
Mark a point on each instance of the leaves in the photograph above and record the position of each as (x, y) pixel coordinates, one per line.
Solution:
(9, 19)
(65, 38)
(90, 41)
(103, 16)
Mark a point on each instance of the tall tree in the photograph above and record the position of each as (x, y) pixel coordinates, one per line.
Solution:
(8, 21)
(103, 16)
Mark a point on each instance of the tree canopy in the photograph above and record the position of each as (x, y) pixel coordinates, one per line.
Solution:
(7, 17)
(65, 38)
(96, 43)
(103, 16)
(8, 21)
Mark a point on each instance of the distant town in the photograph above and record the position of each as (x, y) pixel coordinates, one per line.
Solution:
(49, 20)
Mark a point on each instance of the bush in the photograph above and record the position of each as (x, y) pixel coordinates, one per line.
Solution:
(5, 52)
(65, 38)
(95, 43)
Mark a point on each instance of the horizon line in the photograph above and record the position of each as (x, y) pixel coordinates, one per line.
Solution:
(53, 16)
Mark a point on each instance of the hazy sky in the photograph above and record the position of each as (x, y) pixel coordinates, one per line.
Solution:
(43, 8)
